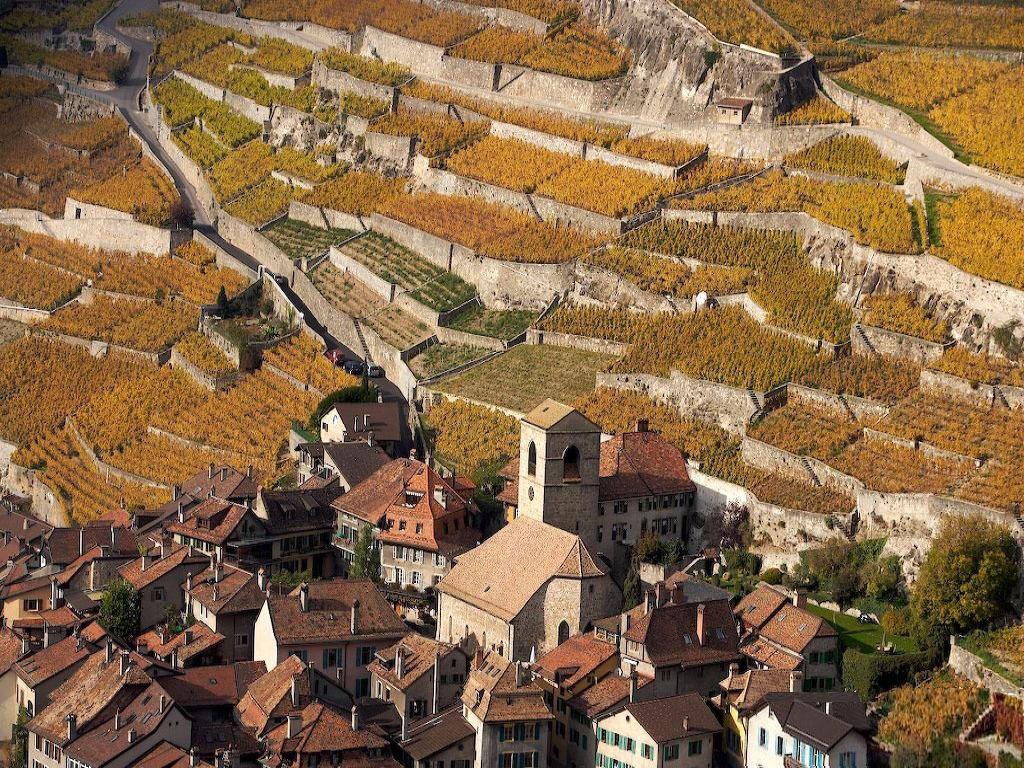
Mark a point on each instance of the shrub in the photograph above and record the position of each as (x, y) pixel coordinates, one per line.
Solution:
(870, 674)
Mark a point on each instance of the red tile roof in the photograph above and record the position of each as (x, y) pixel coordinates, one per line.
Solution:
(418, 653)
(187, 644)
(212, 521)
(325, 729)
(604, 694)
(779, 622)
(675, 717)
(575, 659)
(642, 464)
(10, 649)
(218, 685)
(167, 755)
(329, 615)
(236, 590)
(383, 420)
(670, 633)
(67, 544)
(502, 691)
(269, 696)
(139, 576)
(47, 662)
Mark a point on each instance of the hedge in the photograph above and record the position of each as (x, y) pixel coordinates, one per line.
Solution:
(870, 674)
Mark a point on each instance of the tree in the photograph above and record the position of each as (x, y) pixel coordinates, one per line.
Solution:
(727, 526)
(648, 549)
(291, 579)
(181, 214)
(968, 576)
(366, 563)
(631, 590)
(120, 610)
(19, 740)
(222, 303)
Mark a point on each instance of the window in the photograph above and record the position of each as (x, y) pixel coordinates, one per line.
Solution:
(571, 465)
(847, 760)
(334, 657)
(438, 560)
(241, 640)
(157, 595)
(600, 533)
(646, 751)
(695, 747)
(762, 737)
(563, 632)
(417, 579)
(32, 604)
(362, 686)
(303, 655)
(779, 745)
(364, 655)
(517, 760)
(399, 576)
(672, 752)
(531, 460)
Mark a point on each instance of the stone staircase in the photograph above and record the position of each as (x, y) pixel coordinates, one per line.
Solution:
(810, 472)
(753, 399)
(847, 408)
(362, 341)
(999, 398)
(864, 338)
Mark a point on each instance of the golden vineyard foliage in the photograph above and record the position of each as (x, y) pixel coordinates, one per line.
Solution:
(999, 484)
(474, 440)
(357, 192)
(917, 79)
(195, 253)
(437, 134)
(597, 322)
(545, 10)
(890, 468)
(200, 146)
(216, 65)
(163, 459)
(805, 429)
(183, 39)
(661, 275)
(795, 493)
(491, 230)
(736, 21)
(728, 246)
(142, 190)
(89, 134)
(800, 298)
(197, 348)
(580, 51)
(303, 358)
(35, 284)
(986, 122)
(876, 377)
(978, 368)
(363, 67)
(848, 156)
(100, 65)
(281, 56)
(877, 216)
(918, 713)
(900, 312)
(139, 325)
(361, 106)
(960, 25)
(818, 110)
(245, 167)
(830, 19)
(261, 203)
(182, 104)
(674, 152)
(22, 86)
(522, 168)
(983, 234)
(497, 45)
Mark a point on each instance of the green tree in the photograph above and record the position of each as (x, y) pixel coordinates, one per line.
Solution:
(120, 610)
(967, 577)
(631, 589)
(18, 753)
(366, 563)
(291, 579)
(222, 302)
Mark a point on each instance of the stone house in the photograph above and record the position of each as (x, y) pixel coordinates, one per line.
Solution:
(609, 493)
(506, 710)
(421, 521)
(732, 110)
(489, 600)
(334, 626)
(828, 729)
(372, 423)
(608, 694)
(420, 676)
(673, 732)
(444, 741)
(780, 633)
(194, 646)
(39, 674)
(227, 599)
(350, 463)
(320, 735)
(681, 644)
(563, 673)
(741, 694)
(158, 575)
(12, 650)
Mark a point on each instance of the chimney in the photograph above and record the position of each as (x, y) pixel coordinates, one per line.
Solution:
(161, 634)
(355, 718)
(800, 598)
(188, 636)
(734, 670)
(181, 512)
(795, 681)
(117, 719)
(124, 662)
(110, 651)
(642, 425)
(632, 685)
(295, 692)
(294, 725)
(412, 455)
(354, 621)
(223, 473)
(211, 472)
(700, 623)
(355, 423)
(261, 579)
(188, 581)
(437, 671)
(369, 438)
(25, 647)
(163, 704)
(686, 722)
(72, 726)
(405, 726)
(478, 658)
(145, 560)
(174, 658)
(624, 623)
(175, 492)
(131, 735)
(657, 595)
(56, 600)
(828, 707)
(366, 419)
(81, 541)
(248, 471)
(192, 760)
(304, 598)
(161, 548)
(215, 593)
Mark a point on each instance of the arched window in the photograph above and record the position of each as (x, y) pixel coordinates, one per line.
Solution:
(571, 465)
(563, 632)
(531, 460)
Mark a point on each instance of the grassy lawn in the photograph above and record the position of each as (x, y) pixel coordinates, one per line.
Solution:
(524, 376)
(863, 637)
(499, 324)
(442, 357)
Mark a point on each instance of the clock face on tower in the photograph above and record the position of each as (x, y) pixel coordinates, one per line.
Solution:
(529, 492)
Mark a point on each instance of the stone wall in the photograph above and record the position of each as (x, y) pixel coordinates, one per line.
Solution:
(223, 258)
(310, 36)
(366, 276)
(341, 82)
(325, 217)
(596, 285)
(241, 235)
(11, 310)
(965, 663)
(984, 395)
(427, 60)
(107, 234)
(394, 149)
(572, 341)
(538, 138)
(860, 408)
(554, 90)
(775, 459)
(213, 383)
(885, 342)
(192, 173)
(451, 336)
(73, 209)
(710, 401)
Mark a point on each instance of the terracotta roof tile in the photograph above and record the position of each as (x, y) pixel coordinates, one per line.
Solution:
(746, 690)
(575, 659)
(218, 685)
(47, 662)
(269, 695)
(324, 729)
(430, 736)
(670, 633)
(642, 464)
(10, 649)
(501, 691)
(167, 755)
(67, 544)
(212, 521)
(236, 590)
(330, 613)
(355, 461)
(779, 621)
(605, 694)
(187, 644)
(384, 420)
(675, 717)
(140, 577)
(418, 653)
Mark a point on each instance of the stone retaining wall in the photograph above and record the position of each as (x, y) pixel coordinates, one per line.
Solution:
(596, 285)
(895, 344)
(572, 341)
(325, 217)
(395, 149)
(311, 36)
(366, 276)
(860, 408)
(12, 310)
(984, 395)
(427, 60)
(774, 459)
(451, 336)
(342, 82)
(213, 383)
(106, 234)
(965, 663)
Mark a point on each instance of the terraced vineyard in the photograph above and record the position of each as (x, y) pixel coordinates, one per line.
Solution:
(396, 327)
(439, 358)
(344, 292)
(300, 240)
(498, 323)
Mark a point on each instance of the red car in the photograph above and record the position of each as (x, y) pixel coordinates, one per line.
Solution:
(336, 356)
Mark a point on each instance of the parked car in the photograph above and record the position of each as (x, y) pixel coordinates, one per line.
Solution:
(375, 372)
(335, 356)
(355, 367)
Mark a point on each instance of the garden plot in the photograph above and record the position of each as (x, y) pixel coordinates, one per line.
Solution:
(397, 328)
(499, 324)
(428, 284)
(344, 292)
(443, 357)
(301, 240)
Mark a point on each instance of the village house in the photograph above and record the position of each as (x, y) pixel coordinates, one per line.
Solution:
(418, 675)
(223, 483)
(193, 646)
(350, 463)
(320, 735)
(371, 423)
(420, 520)
(609, 493)
(506, 709)
(334, 626)
(227, 599)
(741, 694)
(672, 731)
(606, 695)
(167, 755)
(489, 600)
(158, 575)
(40, 673)
(780, 633)
(563, 673)
(286, 690)
(827, 729)
(446, 740)
(12, 650)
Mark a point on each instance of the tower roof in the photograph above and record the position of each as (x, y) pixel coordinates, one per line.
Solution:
(550, 413)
